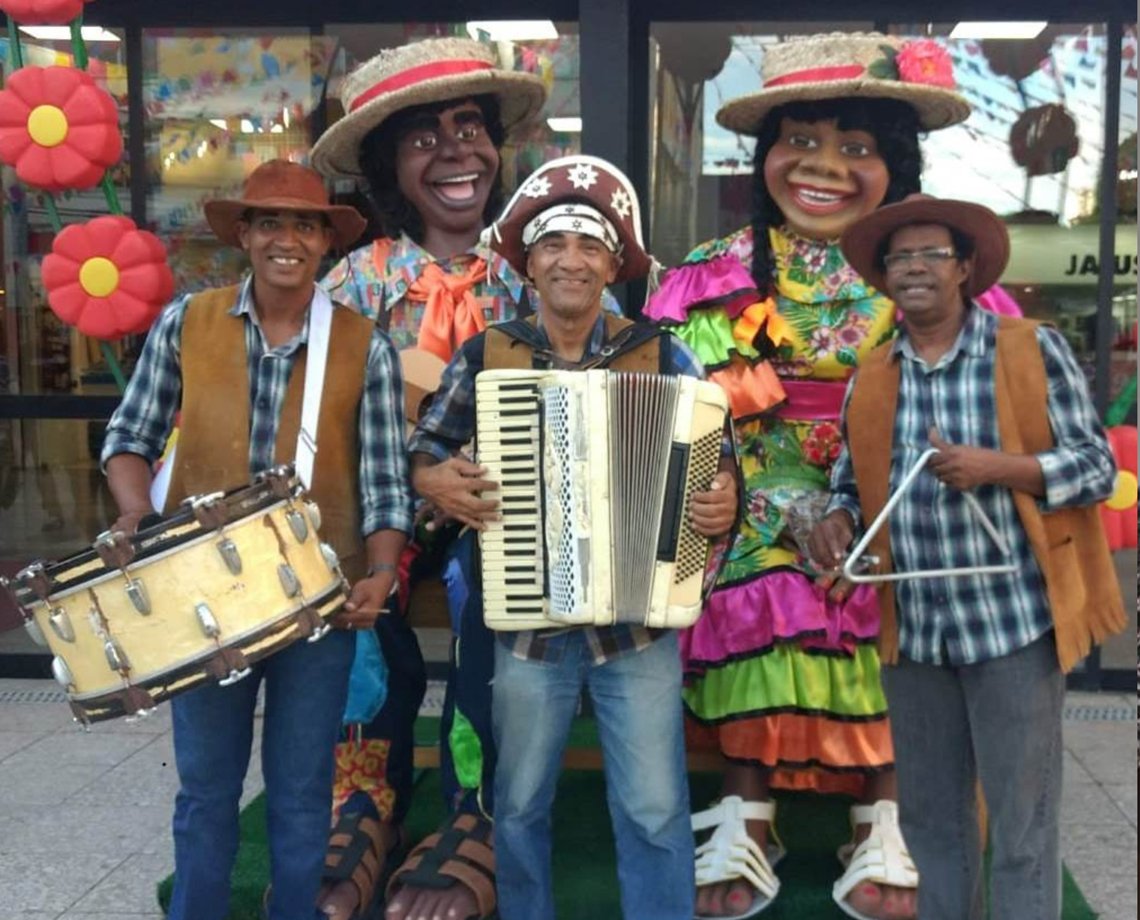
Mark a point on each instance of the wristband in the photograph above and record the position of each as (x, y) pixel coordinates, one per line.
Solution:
(378, 568)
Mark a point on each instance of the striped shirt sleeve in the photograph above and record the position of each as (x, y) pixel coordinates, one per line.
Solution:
(385, 489)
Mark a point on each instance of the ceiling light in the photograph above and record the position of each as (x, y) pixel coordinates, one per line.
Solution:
(513, 30)
(998, 29)
(63, 33)
(567, 125)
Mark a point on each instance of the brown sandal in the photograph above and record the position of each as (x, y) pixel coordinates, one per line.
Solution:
(462, 853)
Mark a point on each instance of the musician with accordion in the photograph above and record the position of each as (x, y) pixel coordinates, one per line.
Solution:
(574, 227)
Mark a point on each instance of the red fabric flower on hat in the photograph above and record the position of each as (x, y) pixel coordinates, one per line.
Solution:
(107, 278)
(43, 12)
(927, 62)
(57, 128)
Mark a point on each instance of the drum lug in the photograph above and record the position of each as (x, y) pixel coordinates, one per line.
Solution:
(228, 666)
(230, 555)
(35, 632)
(209, 510)
(137, 704)
(310, 625)
(136, 591)
(297, 524)
(281, 481)
(114, 548)
(116, 657)
(332, 560)
(207, 621)
(34, 578)
(290, 584)
(234, 676)
(61, 624)
(62, 673)
(314, 514)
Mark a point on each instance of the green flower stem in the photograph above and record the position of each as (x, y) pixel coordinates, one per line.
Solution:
(52, 212)
(113, 364)
(15, 53)
(111, 194)
(78, 48)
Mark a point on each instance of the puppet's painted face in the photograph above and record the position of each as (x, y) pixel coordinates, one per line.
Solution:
(446, 166)
(822, 178)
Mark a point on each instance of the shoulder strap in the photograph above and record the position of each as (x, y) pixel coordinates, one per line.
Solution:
(381, 249)
(511, 344)
(630, 346)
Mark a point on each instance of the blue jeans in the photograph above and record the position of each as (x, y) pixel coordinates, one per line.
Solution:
(998, 721)
(636, 698)
(305, 689)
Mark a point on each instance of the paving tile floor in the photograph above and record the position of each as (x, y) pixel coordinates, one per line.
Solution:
(84, 816)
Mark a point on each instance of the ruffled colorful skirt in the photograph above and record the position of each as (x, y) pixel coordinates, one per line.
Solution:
(776, 674)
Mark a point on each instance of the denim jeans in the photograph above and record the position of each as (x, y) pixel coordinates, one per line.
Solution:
(636, 698)
(998, 721)
(305, 689)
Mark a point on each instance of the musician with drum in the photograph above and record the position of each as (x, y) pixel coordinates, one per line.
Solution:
(244, 366)
(574, 227)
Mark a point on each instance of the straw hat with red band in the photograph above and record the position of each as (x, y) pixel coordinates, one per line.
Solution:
(431, 70)
(580, 179)
(861, 242)
(842, 64)
(279, 185)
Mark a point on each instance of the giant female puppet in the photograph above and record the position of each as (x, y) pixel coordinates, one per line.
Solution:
(782, 674)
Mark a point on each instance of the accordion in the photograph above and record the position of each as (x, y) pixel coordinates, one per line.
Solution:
(596, 470)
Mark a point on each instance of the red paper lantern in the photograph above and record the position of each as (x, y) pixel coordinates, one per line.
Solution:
(107, 278)
(1118, 513)
(42, 12)
(57, 128)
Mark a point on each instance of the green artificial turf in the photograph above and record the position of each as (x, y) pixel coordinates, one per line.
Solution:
(811, 826)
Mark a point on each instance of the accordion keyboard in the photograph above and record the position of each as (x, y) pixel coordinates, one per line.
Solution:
(507, 434)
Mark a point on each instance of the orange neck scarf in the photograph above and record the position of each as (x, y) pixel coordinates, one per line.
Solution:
(452, 315)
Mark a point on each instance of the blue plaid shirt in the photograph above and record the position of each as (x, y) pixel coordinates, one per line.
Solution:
(977, 618)
(450, 424)
(143, 420)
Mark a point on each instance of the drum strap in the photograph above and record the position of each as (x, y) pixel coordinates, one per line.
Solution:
(320, 325)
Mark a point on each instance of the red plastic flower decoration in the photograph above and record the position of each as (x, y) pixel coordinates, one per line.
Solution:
(43, 12)
(57, 128)
(107, 278)
(927, 62)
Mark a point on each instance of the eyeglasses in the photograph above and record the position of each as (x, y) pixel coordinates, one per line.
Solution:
(897, 261)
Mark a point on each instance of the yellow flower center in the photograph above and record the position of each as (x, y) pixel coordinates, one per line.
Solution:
(47, 125)
(99, 277)
(1123, 495)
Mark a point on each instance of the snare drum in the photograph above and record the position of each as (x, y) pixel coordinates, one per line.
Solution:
(226, 581)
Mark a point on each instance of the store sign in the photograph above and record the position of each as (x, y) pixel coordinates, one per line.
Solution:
(1051, 255)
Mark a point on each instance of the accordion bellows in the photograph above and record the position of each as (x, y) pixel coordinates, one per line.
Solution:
(596, 470)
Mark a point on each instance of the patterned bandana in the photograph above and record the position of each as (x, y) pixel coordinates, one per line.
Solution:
(572, 217)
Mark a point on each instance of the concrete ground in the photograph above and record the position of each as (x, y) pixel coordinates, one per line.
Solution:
(84, 816)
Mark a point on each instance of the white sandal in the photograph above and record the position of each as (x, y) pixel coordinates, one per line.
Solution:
(730, 854)
(881, 859)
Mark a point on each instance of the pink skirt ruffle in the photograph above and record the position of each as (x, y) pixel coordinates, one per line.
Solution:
(782, 606)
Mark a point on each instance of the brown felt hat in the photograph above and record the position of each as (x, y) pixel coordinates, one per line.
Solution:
(838, 65)
(861, 241)
(279, 185)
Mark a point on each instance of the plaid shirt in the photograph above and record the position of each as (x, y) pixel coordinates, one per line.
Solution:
(450, 424)
(356, 282)
(979, 617)
(143, 420)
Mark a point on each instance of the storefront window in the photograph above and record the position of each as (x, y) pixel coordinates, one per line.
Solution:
(1122, 382)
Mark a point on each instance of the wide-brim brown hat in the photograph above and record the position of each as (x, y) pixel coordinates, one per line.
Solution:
(431, 70)
(861, 241)
(279, 185)
(852, 64)
(577, 178)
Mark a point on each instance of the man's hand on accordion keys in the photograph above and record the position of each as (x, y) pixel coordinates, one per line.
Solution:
(713, 512)
(454, 487)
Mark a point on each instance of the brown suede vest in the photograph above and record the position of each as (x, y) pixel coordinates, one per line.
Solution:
(213, 443)
(1069, 544)
(502, 352)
